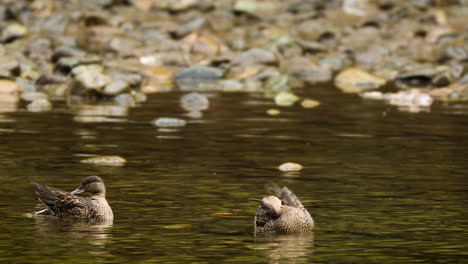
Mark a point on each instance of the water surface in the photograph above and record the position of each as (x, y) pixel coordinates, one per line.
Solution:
(383, 186)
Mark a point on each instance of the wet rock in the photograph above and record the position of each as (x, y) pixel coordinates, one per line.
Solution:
(194, 114)
(198, 78)
(115, 87)
(286, 99)
(276, 84)
(125, 100)
(105, 161)
(31, 96)
(169, 122)
(39, 105)
(374, 95)
(255, 56)
(290, 166)
(273, 112)
(194, 102)
(230, 85)
(91, 76)
(355, 80)
(310, 103)
(157, 79)
(412, 97)
(14, 31)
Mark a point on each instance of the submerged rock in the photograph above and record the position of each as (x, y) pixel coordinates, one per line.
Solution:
(286, 99)
(310, 103)
(194, 102)
(290, 166)
(273, 112)
(105, 161)
(355, 80)
(169, 122)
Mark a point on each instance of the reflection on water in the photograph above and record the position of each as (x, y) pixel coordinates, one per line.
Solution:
(104, 113)
(49, 229)
(285, 248)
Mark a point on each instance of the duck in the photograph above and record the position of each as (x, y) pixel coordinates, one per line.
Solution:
(64, 204)
(282, 213)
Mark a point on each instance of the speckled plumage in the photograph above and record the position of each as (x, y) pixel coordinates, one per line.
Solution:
(65, 204)
(282, 214)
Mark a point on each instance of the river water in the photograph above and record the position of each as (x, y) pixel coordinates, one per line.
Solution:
(384, 186)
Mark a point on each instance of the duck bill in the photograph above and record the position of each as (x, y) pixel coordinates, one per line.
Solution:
(255, 199)
(78, 190)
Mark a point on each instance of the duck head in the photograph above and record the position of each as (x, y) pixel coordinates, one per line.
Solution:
(92, 184)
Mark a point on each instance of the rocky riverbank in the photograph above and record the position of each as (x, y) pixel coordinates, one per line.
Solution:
(406, 53)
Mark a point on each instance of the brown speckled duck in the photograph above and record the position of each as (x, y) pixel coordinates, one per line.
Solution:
(282, 214)
(64, 204)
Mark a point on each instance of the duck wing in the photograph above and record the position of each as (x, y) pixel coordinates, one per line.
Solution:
(59, 202)
(290, 199)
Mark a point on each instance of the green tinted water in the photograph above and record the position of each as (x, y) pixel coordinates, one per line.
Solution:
(383, 186)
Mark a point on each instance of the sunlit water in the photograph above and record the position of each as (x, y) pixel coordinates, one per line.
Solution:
(383, 186)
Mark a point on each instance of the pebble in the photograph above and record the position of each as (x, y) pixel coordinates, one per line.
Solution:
(157, 79)
(290, 166)
(196, 77)
(256, 56)
(169, 122)
(91, 76)
(286, 99)
(14, 31)
(39, 105)
(105, 161)
(115, 87)
(355, 80)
